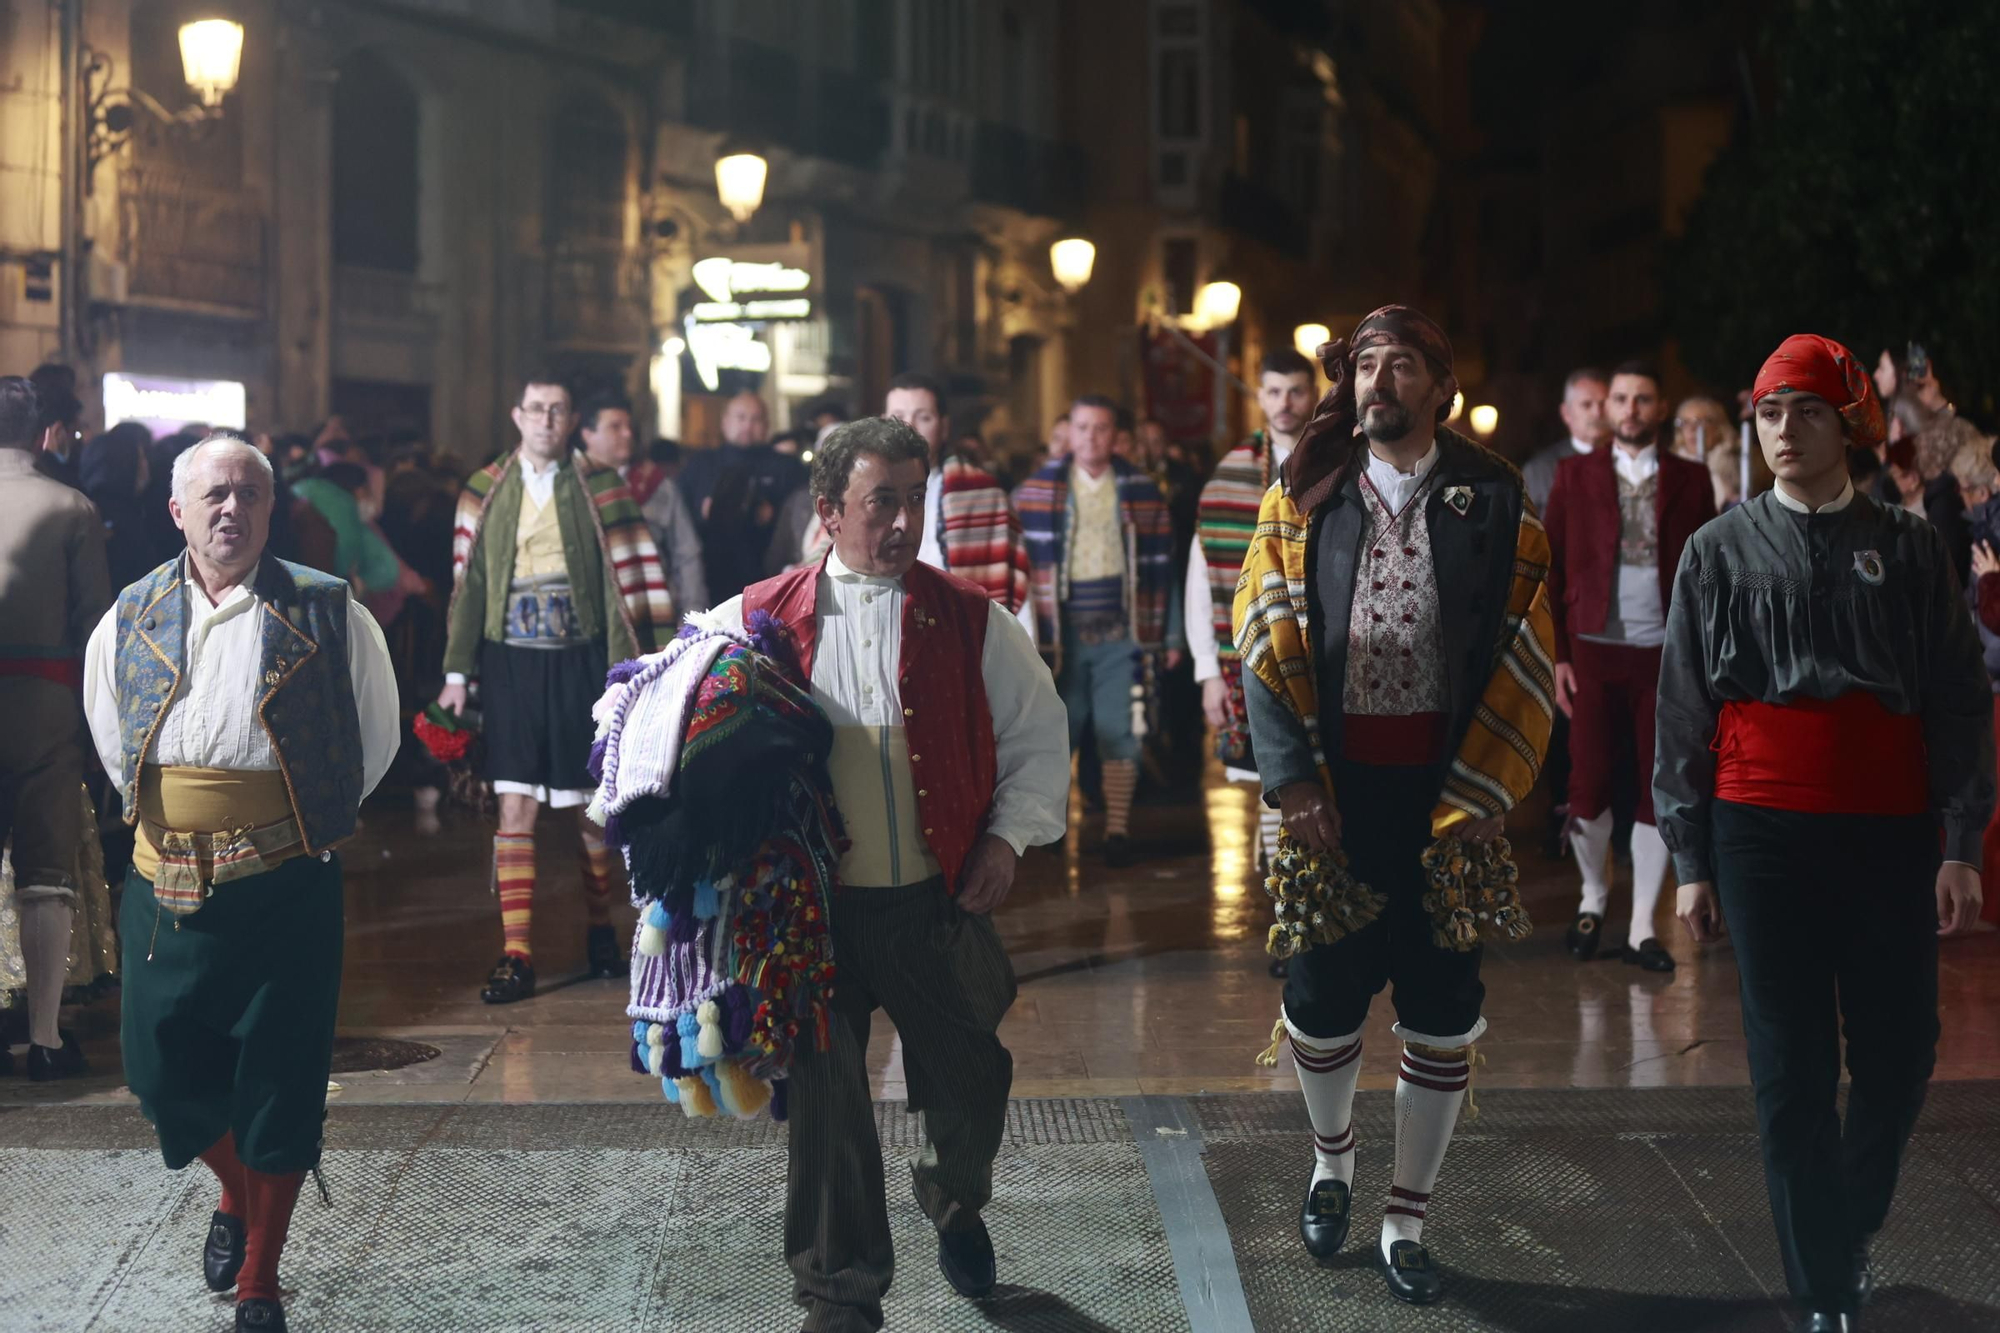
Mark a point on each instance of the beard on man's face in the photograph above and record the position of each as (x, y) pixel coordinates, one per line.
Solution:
(1383, 418)
(1631, 432)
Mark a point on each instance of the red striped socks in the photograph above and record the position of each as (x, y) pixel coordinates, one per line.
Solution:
(1328, 1069)
(596, 866)
(1121, 779)
(514, 881)
(1429, 1088)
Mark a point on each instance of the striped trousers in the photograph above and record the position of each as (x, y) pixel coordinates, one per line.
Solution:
(943, 978)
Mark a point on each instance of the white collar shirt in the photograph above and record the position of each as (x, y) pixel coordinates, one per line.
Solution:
(539, 479)
(1637, 469)
(1798, 506)
(1395, 487)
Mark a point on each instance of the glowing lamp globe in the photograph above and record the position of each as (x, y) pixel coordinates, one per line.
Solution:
(1071, 259)
(211, 58)
(739, 183)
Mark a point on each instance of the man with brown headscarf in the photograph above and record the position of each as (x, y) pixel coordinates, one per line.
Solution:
(1393, 737)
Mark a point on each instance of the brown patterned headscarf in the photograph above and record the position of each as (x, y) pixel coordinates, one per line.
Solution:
(1327, 445)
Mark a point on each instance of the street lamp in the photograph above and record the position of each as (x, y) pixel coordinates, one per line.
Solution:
(1217, 303)
(1072, 258)
(211, 60)
(1485, 419)
(739, 181)
(1308, 337)
(211, 56)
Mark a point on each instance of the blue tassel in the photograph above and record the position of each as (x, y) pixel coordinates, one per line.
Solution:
(707, 902)
(672, 1090)
(639, 1031)
(689, 1031)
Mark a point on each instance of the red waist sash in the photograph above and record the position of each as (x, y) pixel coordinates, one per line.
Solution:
(1414, 738)
(62, 670)
(1845, 756)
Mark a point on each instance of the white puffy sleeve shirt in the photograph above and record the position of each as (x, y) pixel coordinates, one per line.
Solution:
(212, 720)
(854, 678)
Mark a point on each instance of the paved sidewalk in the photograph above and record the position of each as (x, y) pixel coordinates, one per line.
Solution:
(1559, 1211)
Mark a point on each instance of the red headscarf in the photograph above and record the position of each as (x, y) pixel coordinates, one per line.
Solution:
(1808, 363)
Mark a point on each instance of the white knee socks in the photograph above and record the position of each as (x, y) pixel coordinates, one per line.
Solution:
(1428, 1093)
(46, 918)
(1590, 839)
(1649, 874)
(1329, 1067)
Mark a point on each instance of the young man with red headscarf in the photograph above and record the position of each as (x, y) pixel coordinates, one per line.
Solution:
(1399, 679)
(1825, 721)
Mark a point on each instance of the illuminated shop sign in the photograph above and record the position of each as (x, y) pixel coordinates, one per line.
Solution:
(161, 401)
(744, 295)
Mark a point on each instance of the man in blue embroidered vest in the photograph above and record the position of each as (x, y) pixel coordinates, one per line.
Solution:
(245, 706)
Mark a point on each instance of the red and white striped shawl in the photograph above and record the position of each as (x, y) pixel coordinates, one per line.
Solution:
(979, 535)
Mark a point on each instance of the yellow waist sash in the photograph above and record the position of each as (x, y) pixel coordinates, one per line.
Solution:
(179, 801)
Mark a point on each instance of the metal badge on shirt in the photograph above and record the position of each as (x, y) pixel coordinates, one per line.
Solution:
(1868, 564)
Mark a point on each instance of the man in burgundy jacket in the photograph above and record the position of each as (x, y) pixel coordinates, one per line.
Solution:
(1617, 520)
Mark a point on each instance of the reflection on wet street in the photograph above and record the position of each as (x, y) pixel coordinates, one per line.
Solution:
(1146, 980)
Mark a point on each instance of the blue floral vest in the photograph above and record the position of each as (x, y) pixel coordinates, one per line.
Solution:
(307, 704)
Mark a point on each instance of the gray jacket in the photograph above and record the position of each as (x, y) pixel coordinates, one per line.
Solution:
(1772, 605)
(679, 543)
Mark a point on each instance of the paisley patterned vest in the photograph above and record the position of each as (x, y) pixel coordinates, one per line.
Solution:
(307, 702)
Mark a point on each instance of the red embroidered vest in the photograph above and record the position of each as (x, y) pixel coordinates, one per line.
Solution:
(945, 714)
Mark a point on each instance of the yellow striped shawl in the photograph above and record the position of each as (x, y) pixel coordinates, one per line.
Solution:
(1501, 753)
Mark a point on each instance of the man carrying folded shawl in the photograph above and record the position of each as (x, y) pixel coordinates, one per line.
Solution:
(713, 766)
(1393, 735)
(555, 577)
(245, 707)
(949, 757)
(1824, 775)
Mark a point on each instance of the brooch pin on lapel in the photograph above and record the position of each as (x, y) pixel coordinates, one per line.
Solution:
(1459, 499)
(1868, 564)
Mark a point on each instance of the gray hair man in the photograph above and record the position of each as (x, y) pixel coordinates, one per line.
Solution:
(245, 706)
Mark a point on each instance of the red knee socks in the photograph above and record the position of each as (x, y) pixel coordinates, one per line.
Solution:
(229, 1169)
(270, 1200)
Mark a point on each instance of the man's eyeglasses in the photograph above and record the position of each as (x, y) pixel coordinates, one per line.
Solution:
(551, 412)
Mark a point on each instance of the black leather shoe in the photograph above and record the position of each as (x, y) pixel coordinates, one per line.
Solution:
(512, 979)
(1827, 1323)
(1864, 1275)
(1323, 1221)
(1584, 934)
(45, 1064)
(1118, 852)
(1651, 955)
(1410, 1276)
(222, 1253)
(259, 1314)
(601, 947)
(965, 1257)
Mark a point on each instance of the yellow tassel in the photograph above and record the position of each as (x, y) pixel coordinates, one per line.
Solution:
(1268, 1057)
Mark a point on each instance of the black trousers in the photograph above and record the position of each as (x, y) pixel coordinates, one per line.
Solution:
(1835, 923)
(1385, 815)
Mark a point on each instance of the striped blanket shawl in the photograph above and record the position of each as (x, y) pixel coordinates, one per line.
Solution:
(644, 602)
(1225, 523)
(1498, 757)
(1048, 522)
(978, 533)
